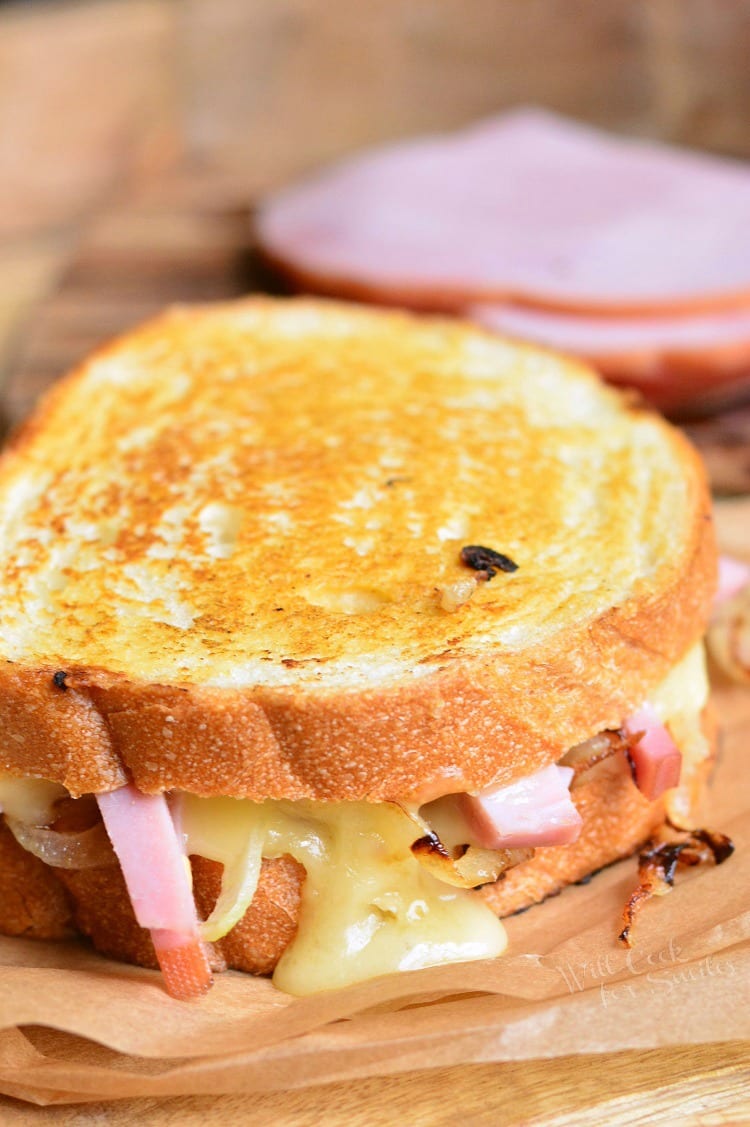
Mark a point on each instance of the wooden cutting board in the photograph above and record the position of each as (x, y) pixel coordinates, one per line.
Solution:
(188, 238)
(181, 240)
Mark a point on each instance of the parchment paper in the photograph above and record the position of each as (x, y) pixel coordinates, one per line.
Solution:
(75, 1027)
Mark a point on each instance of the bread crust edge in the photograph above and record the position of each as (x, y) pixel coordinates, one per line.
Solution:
(463, 726)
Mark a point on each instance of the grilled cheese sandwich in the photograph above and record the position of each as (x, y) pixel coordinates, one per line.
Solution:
(279, 578)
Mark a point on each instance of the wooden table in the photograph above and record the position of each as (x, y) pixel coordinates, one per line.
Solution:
(701, 1087)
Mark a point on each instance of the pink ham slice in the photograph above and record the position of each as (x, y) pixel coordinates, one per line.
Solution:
(734, 576)
(674, 360)
(656, 759)
(525, 207)
(145, 841)
(534, 811)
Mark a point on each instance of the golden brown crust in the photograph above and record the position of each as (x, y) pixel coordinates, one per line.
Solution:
(258, 941)
(32, 901)
(43, 903)
(55, 734)
(469, 723)
(465, 721)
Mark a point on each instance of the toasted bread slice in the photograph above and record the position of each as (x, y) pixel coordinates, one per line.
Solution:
(231, 559)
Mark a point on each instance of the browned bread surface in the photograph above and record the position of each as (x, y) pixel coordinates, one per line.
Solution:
(39, 902)
(257, 942)
(103, 913)
(32, 901)
(231, 530)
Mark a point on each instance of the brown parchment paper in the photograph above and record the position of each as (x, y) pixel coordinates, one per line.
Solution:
(75, 1027)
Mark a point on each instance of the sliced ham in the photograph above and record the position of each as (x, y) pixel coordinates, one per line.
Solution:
(534, 811)
(734, 576)
(674, 360)
(525, 207)
(147, 846)
(656, 759)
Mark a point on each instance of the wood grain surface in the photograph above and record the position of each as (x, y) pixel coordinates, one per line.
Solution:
(183, 239)
(699, 1087)
(188, 238)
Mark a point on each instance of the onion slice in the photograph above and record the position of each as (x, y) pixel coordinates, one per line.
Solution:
(441, 850)
(219, 829)
(466, 867)
(584, 756)
(89, 849)
(729, 635)
(658, 864)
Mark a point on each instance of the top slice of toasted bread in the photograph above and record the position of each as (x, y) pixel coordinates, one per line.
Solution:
(231, 558)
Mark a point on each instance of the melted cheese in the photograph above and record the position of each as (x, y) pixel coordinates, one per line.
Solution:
(679, 703)
(684, 691)
(368, 907)
(29, 800)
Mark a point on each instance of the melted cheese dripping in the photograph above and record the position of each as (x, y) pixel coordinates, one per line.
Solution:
(368, 907)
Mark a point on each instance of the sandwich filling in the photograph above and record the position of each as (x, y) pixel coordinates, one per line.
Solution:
(387, 886)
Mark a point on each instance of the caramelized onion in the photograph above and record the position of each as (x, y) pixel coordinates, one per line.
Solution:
(586, 755)
(467, 866)
(658, 864)
(89, 849)
(461, 865)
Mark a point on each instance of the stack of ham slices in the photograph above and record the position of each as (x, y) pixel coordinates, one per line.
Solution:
(631, 255)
